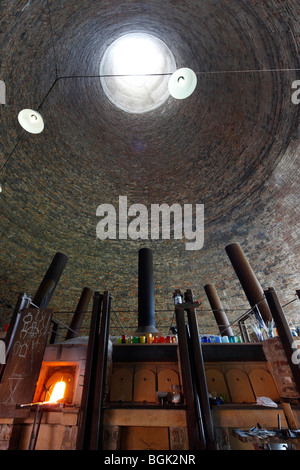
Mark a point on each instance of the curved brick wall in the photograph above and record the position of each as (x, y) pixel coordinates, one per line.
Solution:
(232, 146)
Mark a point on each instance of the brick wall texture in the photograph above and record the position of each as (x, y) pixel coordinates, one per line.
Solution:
(233, 146)
(281, 370)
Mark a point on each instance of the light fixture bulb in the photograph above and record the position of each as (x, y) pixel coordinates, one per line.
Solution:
(31, 121)
(182, 83)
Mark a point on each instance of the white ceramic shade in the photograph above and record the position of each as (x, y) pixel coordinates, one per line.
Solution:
(31, 121)
(182, 83)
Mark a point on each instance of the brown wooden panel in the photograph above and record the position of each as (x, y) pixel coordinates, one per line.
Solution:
(23, 365)
(263, 384)
(144, 385)
(121, 385)
(165, 379)
(216, 383)
(239, 386)
(144, 438)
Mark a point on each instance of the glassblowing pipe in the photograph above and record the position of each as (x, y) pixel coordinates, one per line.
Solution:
(218, 310)
(248, 280)
(45, 291)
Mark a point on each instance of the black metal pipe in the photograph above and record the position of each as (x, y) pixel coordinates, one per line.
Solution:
(146, 312)
(78, 316)
(46, 289)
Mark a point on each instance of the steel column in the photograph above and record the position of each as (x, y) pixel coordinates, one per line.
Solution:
(195, 430)
(97, 423)
(200, 377)
(86, 409)
(91, 411)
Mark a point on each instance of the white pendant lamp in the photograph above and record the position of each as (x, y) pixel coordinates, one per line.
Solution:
(182, 83)
(31, 121)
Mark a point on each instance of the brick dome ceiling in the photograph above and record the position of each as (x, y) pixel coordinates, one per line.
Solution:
(233, 145)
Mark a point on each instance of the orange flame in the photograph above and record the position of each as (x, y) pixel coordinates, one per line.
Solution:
(57, 392)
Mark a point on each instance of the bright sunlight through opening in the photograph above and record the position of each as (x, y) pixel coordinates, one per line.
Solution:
(150, 61)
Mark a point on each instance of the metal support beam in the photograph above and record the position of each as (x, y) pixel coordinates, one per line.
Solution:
(284, 332)
(86, 409)
(201, 384)
(195, 430)
(54, 333)
(97, 423)
(91, 413)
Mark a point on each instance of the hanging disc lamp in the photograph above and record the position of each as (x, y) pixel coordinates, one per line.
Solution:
(182, 83)
(31, 121)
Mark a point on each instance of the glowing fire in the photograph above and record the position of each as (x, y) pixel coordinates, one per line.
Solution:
(57, 392)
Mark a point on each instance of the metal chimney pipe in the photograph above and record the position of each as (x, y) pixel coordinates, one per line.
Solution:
(45, 291)
(218, 310)
(248, 280)
(78, 316)
(146, 314)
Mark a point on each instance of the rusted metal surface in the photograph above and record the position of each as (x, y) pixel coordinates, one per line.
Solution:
(218, 310)
(24, 361)
(22, 302)
(46, 289)
(79, 313)
(248, 280)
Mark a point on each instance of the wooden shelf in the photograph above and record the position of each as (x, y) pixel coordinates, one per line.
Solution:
(144, 406)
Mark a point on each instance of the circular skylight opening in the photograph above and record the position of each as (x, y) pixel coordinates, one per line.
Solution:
(143, 64)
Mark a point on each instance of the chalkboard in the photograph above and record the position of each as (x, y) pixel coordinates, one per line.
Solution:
(23, 364)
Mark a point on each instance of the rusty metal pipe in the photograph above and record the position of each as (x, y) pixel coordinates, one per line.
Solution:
(46, 289)
(248, 280)
(218, 310)
(78, 316)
